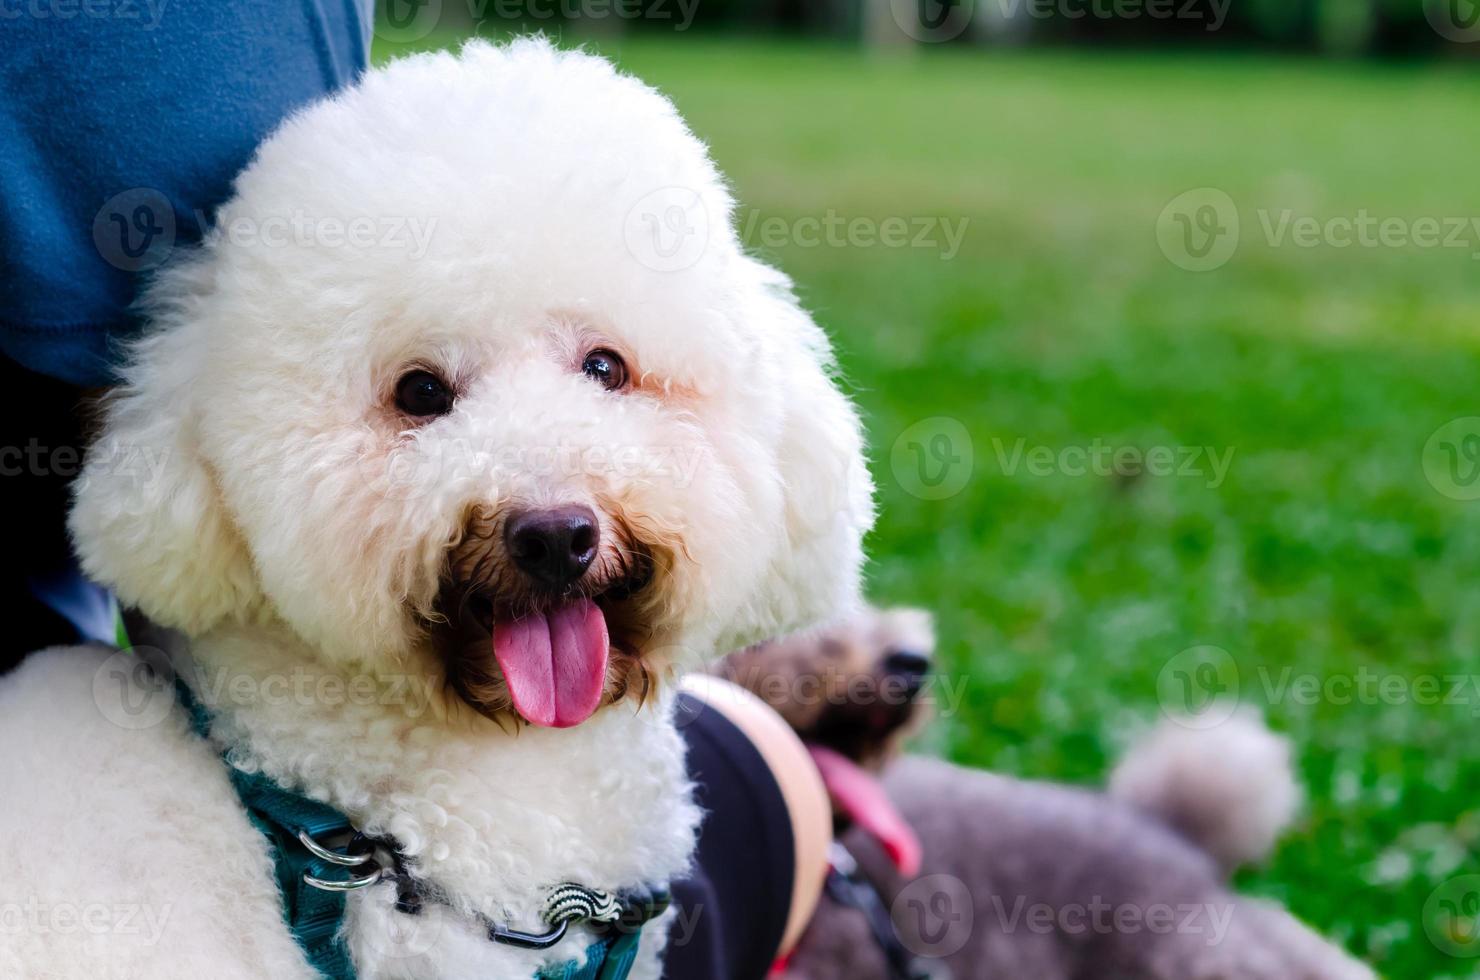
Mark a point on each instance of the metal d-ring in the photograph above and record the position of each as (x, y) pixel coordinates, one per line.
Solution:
(526, 940)
(333, 857)
(348, 884)
(376, 873)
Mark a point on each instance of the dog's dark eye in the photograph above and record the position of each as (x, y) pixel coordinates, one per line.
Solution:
(422, 394)
(606, 367)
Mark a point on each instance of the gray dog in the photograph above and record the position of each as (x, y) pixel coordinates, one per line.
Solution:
(942, 871)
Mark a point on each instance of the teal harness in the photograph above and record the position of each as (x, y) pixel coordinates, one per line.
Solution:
(314, 878)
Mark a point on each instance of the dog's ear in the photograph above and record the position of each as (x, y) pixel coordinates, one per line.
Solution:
(147, 518)
(825, 481)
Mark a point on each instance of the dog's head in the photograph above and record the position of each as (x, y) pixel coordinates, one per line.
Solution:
(473, 373)
(851, 692)
(852, 687)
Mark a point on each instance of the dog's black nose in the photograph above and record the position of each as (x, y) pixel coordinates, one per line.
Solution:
(909, 667)
(555, 546)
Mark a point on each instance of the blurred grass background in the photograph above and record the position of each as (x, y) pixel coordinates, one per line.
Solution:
(1061, 599)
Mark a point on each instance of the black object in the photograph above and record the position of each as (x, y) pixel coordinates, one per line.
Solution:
(40, 453)
(732, 909)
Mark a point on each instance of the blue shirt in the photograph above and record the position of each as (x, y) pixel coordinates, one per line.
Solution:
(122, 125)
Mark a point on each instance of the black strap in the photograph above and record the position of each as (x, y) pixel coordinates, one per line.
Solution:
(848, 886)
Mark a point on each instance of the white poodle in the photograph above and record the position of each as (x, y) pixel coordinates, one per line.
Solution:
(470, 423)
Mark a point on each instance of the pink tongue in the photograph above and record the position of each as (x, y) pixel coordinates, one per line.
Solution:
(857, 793)
(555, 664)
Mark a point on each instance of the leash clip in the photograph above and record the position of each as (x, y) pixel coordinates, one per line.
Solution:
(528, 940)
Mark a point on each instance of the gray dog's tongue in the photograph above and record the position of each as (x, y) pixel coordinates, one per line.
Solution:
(857, 793)
(555, 663)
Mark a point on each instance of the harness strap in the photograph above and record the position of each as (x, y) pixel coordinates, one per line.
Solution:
(608, 959)
(314, 912)
(847, 885)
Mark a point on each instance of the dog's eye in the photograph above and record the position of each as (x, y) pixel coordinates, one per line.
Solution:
(422, 394)
(606, 367)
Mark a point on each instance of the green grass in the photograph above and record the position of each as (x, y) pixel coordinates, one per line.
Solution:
(1061, 598)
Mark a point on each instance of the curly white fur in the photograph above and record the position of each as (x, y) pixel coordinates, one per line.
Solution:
(250, 489)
